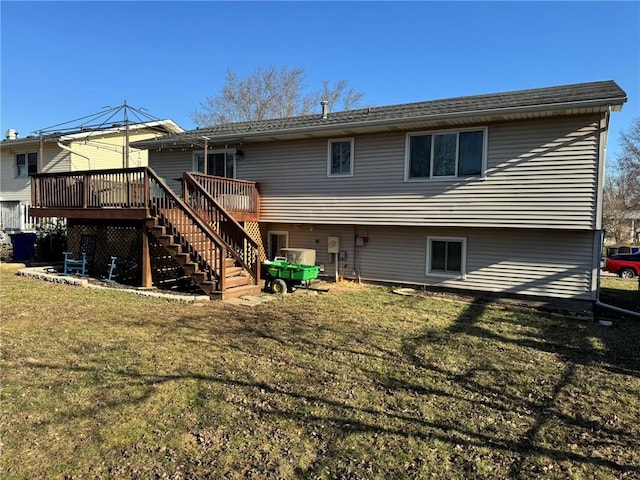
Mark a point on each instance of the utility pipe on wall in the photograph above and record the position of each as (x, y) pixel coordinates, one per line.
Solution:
(64, 147)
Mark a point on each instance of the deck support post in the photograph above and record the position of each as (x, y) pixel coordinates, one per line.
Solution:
(147, 281)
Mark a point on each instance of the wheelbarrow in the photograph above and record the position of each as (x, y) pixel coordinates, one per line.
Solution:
(282, 276)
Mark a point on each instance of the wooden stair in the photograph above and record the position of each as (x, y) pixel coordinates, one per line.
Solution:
(236, 282)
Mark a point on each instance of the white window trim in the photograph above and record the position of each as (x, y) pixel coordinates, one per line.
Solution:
(463, 261)
(430, 178)
(276, 232)
(194, 158)
(329, 143)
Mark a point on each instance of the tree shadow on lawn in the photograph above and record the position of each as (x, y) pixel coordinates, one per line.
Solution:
(568, 343)
(473, 387)
(344, 421)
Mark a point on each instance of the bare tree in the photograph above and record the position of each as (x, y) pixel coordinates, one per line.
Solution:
(270, 93)
(622, 189)
(340, 96)
(615, 210)
(629, 164)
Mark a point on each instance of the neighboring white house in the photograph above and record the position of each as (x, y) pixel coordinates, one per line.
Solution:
(83, 149)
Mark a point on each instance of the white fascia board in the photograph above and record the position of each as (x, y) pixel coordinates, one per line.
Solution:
(168, 124)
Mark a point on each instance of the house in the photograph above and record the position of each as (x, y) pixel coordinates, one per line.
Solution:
(488, 193)
(86, 148)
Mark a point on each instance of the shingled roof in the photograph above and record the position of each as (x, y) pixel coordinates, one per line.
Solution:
(586, 96)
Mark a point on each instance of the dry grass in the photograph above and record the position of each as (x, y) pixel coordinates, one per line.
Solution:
(620, 292)
(358, 383)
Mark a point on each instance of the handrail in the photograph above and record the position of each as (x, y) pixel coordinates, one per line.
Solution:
(231, 180)
(244, 248)
(88, 172)
(237, 196)
(157, 205)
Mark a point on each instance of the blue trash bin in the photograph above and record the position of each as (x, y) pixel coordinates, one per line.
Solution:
(24, 246)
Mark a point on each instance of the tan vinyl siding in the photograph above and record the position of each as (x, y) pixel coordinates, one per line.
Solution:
(106, 151)
(171, 165)
(540, 263)
(540, 174)
(16, 188)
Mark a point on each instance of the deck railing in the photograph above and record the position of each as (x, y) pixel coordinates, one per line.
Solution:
(199, 221)
(235, 196)
(244, 249)
(125, 188)
(118, 188)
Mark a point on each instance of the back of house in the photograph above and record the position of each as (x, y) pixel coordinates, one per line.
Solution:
(493, 193)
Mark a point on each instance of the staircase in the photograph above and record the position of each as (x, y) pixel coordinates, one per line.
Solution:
(210, 246)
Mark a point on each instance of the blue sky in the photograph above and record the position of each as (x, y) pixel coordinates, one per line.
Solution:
(64, 60)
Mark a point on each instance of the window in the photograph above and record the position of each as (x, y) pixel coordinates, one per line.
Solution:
(221, 163)
(445, 154)
(340, 158)
(446, 257)
(26, 164)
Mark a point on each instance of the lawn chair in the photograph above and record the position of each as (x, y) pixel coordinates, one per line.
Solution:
(78, 263)
(120, 266)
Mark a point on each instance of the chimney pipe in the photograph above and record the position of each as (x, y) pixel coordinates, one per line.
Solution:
(324, 104)
(11, 134)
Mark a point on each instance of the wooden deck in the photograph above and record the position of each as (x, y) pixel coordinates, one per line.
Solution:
(125, 194)
(199, 229)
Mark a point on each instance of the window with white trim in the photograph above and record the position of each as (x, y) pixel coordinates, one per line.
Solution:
(446, 257)
(26, 164)
(221, 163)
(445, 154)
(340, 157)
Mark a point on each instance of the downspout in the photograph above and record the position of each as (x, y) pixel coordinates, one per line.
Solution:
(600, 240)
(599, 199)
(64, 147)
(613, 308)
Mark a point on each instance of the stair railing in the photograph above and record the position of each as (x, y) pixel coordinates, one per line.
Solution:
(242, 247)
(235, 196)
(185, 224)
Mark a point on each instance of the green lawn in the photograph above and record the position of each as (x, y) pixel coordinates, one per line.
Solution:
(357, 383)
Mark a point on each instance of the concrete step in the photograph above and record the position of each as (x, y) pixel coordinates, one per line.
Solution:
(236, 292)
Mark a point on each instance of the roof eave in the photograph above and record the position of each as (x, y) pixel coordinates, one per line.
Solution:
(603, 104)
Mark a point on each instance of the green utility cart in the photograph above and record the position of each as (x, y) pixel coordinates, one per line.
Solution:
(282, 277)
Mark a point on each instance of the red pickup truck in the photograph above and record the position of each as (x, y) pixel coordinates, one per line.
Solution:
(627, 266)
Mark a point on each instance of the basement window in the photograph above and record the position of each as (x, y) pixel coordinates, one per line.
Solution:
(446, 257)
